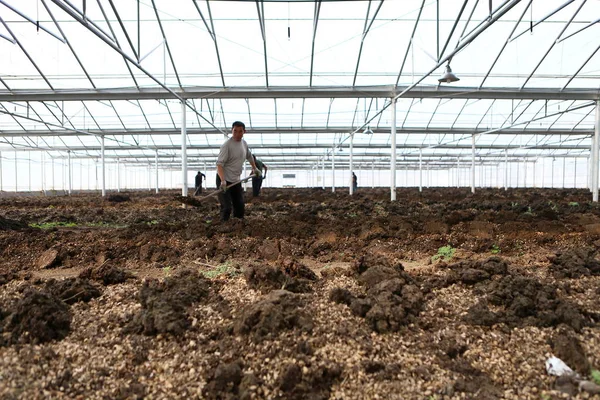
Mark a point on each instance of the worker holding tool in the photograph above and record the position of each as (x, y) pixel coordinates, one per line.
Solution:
(229, 168)
(257, 180)
(198, 183)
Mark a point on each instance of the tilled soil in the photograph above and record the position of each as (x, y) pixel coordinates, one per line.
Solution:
(315, 295)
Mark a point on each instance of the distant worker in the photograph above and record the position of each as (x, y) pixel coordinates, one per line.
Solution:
(198, 184)
(229, 168)
(354, 182)
(257, 180)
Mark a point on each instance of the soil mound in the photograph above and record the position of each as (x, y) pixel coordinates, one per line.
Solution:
(392, 299)
(575, 263)
(566, 346)
(524, 301)
(107, 274)
(6, 277)
(471, 272)
(266, 278)
(368, 260)
(224, 382)
(11, 225)
(72, 290)
(315, 384)
(37, 317)
(165, 303)
(279, 310)
(118, 198)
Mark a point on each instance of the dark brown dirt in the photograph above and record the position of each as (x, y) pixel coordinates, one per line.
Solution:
(165, 303)
(38, 317)
(364, 311)
(277, 311)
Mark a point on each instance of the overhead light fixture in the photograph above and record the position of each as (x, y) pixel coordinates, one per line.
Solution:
(368, 131)
(448, 76)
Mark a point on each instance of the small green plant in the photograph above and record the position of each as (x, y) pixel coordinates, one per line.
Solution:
(153, 222)
(228, 268)
(514, 204)
(573, 204)
(444, 253)
(529, 211)
(167, 269)
(553, 206)
(596, 376)
(495, 249)
(50, 225)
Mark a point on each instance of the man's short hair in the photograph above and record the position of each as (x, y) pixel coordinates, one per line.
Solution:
(238, 123)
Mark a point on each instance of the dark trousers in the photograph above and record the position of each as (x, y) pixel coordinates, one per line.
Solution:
(256, 185)
(232, 198)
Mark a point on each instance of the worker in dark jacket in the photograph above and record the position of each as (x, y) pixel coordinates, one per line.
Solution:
(257, 180)
(198, 183)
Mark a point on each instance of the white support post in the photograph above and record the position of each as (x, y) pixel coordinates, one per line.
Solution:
(552, 175)
(184, 187)
(543, 172)
(52, 170)
(428, 176)
(575, 172)
(16, 175)
(323, 172)
(43, 173)
(103, 170)
(69, 172)
(524, 172)
(118, 175)
(333, 170)
(156, 169)
(1, 188)
(595, 154)
(420, 170)
(458, 172)
(473, 163)
(564, 169)
(373, 175)
(534, 165)
(351, 165)
(505, 169)
(393, 163)
(29, 171)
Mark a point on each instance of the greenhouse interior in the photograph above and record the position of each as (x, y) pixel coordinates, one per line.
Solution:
(421, 221)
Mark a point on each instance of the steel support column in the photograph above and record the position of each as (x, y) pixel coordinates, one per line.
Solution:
(69, 172)
(333, 170)
(505, 169)
(595, 154)
(103, 174)
(351, 166)
(156, 169)
(118, 175)
(472, 163)
(420, 170)
(184, 187)
(393, 150)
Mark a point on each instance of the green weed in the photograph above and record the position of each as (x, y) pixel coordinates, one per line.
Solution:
(596, 376)
(573, 204)
(495, 249)
(444, 253)
(228, 268)
(50, 225)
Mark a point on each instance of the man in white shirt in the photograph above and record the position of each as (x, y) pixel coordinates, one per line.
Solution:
(229, 168)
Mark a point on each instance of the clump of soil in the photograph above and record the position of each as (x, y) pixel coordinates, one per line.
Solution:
(224, 382)
(38, 317)
(471, 272)
(72, 290)
(392, 298)
(165, 303)
(568, 348)
(369, 260)
(265, 278)
(315, 384)
(523, 301)
(118, 198)
(11, 225)
(106, 273)
(472, 380)
(279, 310)
(575, 263)
(6, 277)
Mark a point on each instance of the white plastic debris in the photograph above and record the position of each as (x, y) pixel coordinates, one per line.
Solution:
(556, 366)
